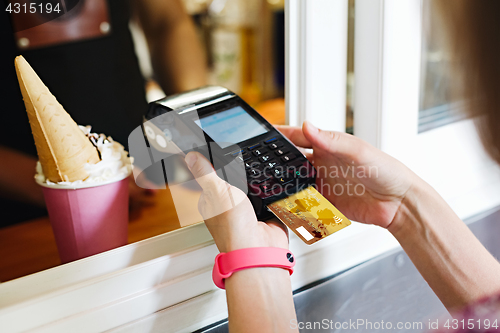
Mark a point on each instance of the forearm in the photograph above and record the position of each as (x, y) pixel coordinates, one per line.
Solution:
(177, 58)
(263, 293)
(17, 181)
(450, 258)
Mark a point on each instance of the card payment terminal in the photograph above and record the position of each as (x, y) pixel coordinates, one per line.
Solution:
(245, 149)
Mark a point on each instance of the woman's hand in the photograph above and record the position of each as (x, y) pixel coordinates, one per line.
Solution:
(259, 299)
(452, 261)
(364, 183)
(228, 213)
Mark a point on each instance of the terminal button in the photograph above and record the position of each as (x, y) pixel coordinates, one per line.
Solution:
(266, 187)
(259, 152)
(246, 157)
(254, 146)
(276, 145)
(287, 158)
(254, 172)
(280, 152)
(270, 165)
(278, 173)
(284, 179)
(264, 158)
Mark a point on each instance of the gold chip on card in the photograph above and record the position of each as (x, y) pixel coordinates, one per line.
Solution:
(310, 215)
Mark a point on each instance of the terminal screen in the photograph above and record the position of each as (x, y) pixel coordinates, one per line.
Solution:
(231, 126)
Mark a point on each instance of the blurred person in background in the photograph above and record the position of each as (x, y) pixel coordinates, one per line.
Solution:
(461, 272)
(85, 55)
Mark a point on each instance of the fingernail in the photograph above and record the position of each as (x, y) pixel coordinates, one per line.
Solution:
(312, 128)
(191, 159)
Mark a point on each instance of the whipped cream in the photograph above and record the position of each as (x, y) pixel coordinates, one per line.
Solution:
(115, 164)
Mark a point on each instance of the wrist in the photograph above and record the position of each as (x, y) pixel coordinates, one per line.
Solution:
(409, 214)
(265, 292)
(257, 236)
(258, 276)
(249, 243)
(227, 264)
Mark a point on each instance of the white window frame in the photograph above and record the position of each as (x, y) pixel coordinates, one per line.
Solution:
(316, 62)
(163, 284)
(388, 42)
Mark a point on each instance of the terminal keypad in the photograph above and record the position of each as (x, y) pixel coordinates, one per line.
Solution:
(270, 164)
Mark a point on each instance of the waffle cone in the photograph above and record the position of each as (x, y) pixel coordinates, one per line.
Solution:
(63, 149)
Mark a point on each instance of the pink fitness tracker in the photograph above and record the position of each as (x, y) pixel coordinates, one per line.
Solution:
(228, 263)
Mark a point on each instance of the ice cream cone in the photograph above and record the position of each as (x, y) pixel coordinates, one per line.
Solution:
(63, 149)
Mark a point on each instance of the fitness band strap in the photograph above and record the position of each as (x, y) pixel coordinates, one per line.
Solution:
(228, 263)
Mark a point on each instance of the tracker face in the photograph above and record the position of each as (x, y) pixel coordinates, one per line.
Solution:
(245, 150)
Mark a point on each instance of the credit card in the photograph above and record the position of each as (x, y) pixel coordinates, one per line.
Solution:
(309, 214)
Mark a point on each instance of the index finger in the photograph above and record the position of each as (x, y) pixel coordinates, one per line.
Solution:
(295, 135)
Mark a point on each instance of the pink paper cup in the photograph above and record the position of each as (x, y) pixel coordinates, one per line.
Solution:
(88, 220)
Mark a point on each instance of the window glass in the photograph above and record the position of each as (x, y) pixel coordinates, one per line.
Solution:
(438, 106)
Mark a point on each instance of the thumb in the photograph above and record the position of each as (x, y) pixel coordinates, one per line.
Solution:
(218, 196)
(337, 143)
(203, 172)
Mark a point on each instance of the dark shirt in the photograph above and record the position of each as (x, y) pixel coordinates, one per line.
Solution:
(98, 81)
